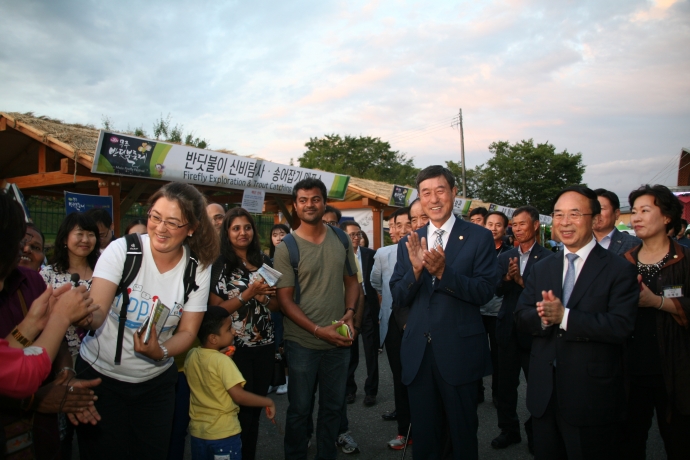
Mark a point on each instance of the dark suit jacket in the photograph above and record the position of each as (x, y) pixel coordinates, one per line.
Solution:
(511, 291)
(589, 355)
(449, 309)
(622, 242)
(371, 301)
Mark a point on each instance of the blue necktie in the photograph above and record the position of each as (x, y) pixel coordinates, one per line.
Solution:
(569, 282)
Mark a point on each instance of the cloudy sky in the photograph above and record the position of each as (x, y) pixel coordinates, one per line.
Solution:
(609, 79)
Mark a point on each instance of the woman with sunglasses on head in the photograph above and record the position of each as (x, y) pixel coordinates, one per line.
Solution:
(237, 287)
(658, 351)
(136, 400)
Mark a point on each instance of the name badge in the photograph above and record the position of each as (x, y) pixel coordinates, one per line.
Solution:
(673, 291)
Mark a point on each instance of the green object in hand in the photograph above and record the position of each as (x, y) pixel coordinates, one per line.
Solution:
(343, 330)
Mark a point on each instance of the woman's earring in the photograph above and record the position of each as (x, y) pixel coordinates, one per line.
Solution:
(190, 235)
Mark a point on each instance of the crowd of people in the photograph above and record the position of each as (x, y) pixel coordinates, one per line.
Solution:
(599, 328)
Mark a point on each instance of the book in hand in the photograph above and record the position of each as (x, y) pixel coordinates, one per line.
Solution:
(269, 274)
(157, 318)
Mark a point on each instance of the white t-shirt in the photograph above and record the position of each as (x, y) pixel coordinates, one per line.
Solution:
(99, 350)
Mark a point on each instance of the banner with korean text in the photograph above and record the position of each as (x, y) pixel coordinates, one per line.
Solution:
(126, 155)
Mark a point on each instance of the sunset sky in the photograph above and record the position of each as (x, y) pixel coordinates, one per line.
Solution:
(609, 79)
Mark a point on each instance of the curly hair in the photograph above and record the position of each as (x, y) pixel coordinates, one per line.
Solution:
(12, 231)
(204, 241)
(668, 203)
(60, 259)
(254, 254)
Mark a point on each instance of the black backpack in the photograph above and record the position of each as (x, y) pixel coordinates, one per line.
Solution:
(293, 251)
(130, 270)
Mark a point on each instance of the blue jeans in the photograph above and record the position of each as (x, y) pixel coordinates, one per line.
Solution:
(222, 449)
(306, 367)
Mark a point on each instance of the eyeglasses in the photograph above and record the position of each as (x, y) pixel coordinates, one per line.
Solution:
(355, 235)
(168, 224)
(332, 223)
(573, 216)
(32, 247)
(218, 218)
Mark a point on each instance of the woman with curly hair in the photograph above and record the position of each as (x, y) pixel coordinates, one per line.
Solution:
(237, 287)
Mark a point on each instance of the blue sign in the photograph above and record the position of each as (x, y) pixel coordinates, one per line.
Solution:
(79, 202)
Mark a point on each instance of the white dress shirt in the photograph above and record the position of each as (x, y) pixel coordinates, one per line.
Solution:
(524, 257)
(446, 227)
(583, 253)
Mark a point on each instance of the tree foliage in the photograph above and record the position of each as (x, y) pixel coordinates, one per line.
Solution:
(472, 175)
(364, 157)
(524, 174)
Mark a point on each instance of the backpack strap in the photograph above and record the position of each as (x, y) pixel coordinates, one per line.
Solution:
(131, 268)
(189, 279)
(346, 242)
(293, 252)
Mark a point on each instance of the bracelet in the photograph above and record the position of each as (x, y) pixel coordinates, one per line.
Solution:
(315, 329)
(165, 354)
(66, 368)
(28, 406)
(20, 338)
(662, 302)
(242, 301)
(351, 309)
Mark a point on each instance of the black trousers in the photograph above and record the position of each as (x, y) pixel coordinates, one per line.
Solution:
(648, 394)
(429, 396)
(402, 403)
(136, 418)
(256, 366)
(490, 326)
(556, 439)
(370, 341)
(511, 360)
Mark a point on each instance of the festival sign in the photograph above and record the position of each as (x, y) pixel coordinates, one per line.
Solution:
(253, 200)
(461, 206)
(402, 196)
(80, 202)
(544, 220)
(126, 155)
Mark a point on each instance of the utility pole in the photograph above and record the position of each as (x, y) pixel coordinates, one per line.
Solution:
(455, 123)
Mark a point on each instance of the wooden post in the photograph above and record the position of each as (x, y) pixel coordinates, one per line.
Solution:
(41, 158)
(378, 227)
(110, 186)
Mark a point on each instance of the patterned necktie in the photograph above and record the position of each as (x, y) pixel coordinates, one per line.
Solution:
(569, 282)
(438, 243)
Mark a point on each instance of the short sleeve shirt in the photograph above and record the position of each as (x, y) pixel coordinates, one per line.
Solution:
(212, 412)
(321, 270)
(252, 321)
(149, 285)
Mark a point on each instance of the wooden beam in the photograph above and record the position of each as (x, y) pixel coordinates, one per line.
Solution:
(284, 210)
(132, 196)
(42, 158)
(47, 179)
(378, 227)
(110, 186)
(351, 204)
(3, 123)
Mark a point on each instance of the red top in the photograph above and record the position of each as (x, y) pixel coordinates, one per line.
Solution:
(22, 370)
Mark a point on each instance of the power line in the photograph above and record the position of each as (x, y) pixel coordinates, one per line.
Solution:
(666, 169)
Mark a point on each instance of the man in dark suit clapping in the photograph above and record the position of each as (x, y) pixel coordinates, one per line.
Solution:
(444, 272)
(579, 306)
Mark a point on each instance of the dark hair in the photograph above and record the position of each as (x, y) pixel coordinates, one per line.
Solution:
(134, 223)
(204, 241)
(401, 211)
(60, 259)
(37, 230)
(272, 248)
(100, 215)
(308, 184)
(668, 203)
(395, 214)
(347, 223)
(531, 210)
(409, 208)
(211, 323)
(254, 254)
(584, 191)
(336, 211)
(683, 223)
(612, 197)
(434, 171)
(365, 239)
(500, 214)
(12, 231)
(479, 211)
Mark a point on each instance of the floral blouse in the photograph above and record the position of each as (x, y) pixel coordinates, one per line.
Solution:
(252, 321)
(57, 279)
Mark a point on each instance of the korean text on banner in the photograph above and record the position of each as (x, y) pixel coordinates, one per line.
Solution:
(126, 155)
(79, 202)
